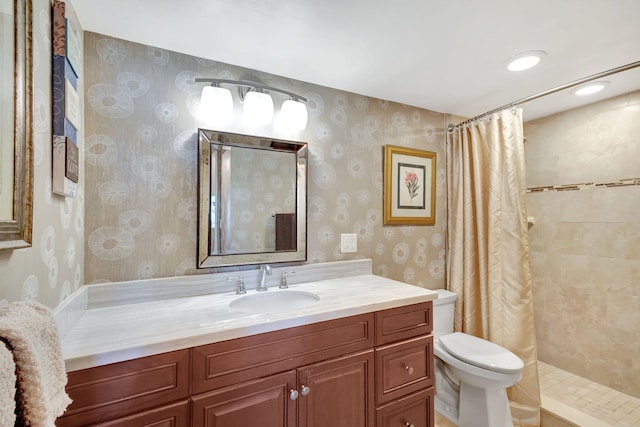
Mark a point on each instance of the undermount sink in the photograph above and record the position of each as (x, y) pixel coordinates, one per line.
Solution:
(274, 301)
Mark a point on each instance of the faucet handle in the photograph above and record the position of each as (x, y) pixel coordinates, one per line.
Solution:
(283, 279)
(241, 288)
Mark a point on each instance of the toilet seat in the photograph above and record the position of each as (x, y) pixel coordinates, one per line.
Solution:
(481, 353)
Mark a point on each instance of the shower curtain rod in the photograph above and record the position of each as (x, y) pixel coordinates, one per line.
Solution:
(574, 83)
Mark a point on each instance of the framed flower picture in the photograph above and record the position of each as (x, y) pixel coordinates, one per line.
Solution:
(409, 186)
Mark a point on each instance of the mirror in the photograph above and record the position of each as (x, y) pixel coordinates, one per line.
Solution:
(252, 200)
(16, 144)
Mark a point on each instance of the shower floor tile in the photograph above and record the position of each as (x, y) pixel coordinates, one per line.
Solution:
(442, 421)
(589, 403)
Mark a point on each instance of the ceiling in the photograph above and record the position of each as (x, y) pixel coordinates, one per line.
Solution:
(443, 55)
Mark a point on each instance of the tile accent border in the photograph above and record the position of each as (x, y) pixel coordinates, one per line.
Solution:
(585, 186)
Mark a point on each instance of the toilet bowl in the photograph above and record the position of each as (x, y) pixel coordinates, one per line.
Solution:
(472, 374)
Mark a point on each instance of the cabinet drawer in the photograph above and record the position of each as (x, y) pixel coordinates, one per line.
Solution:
(234, 361)
(112, 391)
(414, 410)
(403, 368)
(403, 322)
(175, 415)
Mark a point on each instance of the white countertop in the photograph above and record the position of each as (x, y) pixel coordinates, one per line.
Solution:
(123, 332)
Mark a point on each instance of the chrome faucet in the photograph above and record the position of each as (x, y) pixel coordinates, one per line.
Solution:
(265, 271)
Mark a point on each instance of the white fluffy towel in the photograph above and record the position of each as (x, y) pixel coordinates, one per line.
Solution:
(30, 331)
(7, 387)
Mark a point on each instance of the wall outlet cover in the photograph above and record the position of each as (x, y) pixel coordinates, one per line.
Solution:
(348, 243)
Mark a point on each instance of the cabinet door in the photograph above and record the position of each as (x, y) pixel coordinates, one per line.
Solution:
(340, 392)
(265, 403)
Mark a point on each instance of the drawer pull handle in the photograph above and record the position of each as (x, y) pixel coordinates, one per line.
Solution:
(293, 394)
(305, 390)
(408, 424)
(409, 370)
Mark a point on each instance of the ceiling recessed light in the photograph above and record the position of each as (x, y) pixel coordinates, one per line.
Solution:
(590, 88)
(525, 60)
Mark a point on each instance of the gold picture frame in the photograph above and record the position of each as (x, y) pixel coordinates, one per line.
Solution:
(409, 196)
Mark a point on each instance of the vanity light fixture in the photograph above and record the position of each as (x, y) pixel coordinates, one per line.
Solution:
(590, 88)
(525, 60)
(258, 103)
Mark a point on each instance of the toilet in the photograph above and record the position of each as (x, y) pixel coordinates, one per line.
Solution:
(472, 374)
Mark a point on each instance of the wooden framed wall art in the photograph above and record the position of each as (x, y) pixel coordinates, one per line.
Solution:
(409, 196)
(66, 103)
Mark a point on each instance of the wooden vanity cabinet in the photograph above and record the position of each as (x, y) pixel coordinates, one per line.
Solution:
(373, 369)
(370, 370)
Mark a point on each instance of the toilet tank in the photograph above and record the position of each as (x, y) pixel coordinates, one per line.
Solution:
(443, 312)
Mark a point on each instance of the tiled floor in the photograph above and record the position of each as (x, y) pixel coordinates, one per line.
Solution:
(442, 421)
(584, 402)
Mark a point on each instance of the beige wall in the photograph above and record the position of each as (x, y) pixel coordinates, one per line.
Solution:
(53, 267)
(142, 116)
(586, 243)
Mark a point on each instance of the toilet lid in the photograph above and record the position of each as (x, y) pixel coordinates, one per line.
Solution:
(482, 353)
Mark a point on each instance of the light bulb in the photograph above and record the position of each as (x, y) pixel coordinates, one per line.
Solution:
(590, 88)
(258, 108)
(216, 103)
(294, 115)
(525, 60)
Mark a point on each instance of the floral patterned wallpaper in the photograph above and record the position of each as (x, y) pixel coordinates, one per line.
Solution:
(142, 113)
(53, 267)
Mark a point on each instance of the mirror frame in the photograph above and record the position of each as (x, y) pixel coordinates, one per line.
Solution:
(205, 259)
(17, 232)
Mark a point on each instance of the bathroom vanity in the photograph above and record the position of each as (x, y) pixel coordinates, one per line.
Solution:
(361, 356)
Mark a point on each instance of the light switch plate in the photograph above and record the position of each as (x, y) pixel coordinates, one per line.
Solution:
(348, 243)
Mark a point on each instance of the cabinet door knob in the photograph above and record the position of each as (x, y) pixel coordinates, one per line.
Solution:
(408, 424)
(305, 390)
(293, 394)
(409, 369)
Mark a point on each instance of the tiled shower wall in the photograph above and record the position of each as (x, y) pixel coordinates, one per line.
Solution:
(585, 244)
(141, 119)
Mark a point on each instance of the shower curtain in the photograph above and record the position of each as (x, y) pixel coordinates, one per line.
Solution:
(488, 262)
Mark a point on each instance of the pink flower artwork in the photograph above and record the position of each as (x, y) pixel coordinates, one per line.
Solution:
(412, 182)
